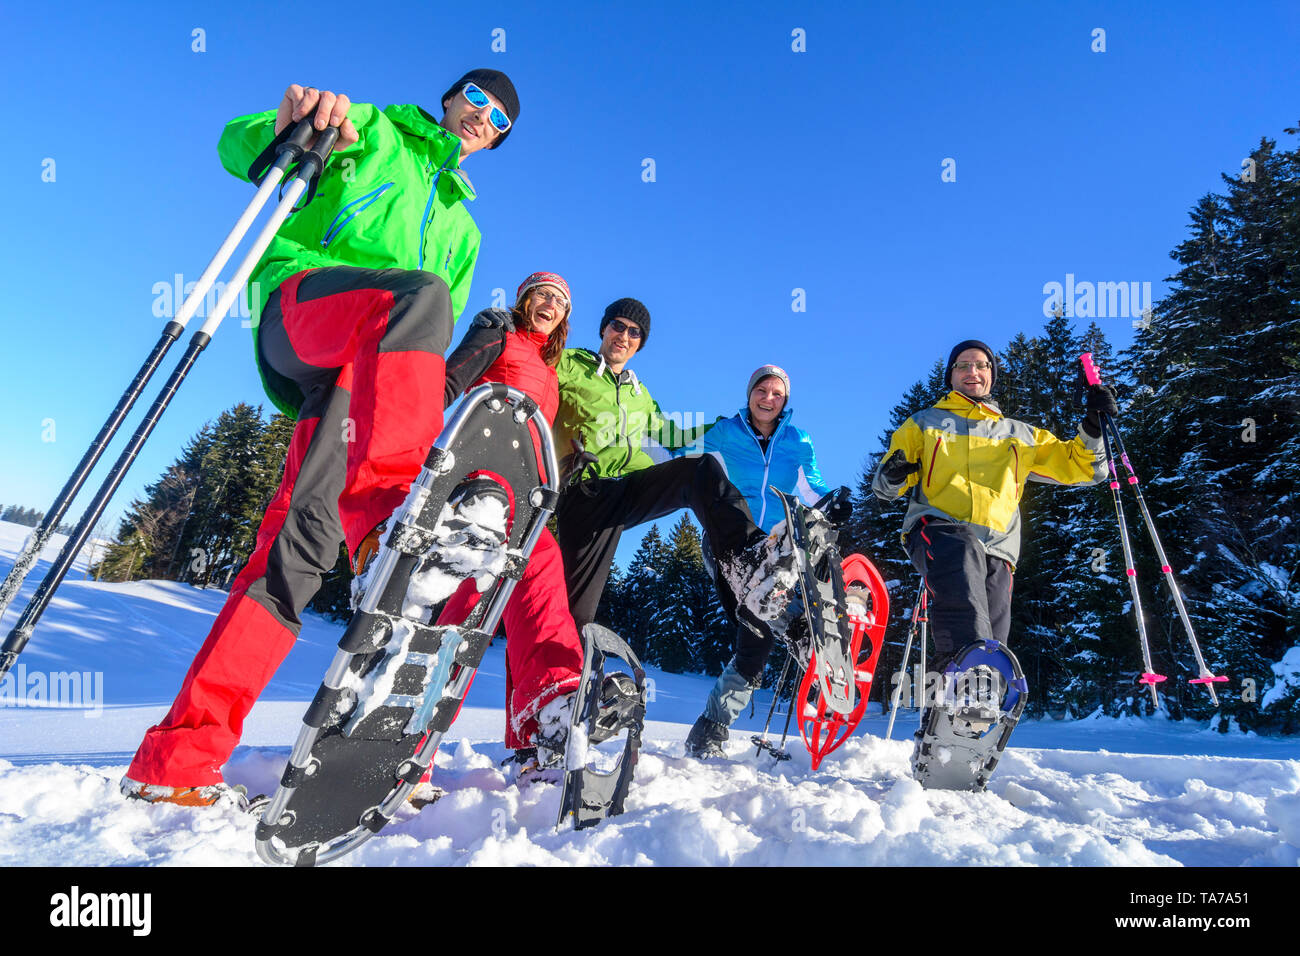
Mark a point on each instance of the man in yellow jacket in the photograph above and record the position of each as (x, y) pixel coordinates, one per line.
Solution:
(965, 466)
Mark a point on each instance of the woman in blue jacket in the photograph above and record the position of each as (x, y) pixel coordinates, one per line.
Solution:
(757, 448)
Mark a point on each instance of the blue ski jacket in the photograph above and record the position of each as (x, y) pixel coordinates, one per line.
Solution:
(789, 463)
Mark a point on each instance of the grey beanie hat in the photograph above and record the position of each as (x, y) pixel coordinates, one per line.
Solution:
(766, 371)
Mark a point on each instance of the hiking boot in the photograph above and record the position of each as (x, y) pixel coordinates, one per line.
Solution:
(764, 575)
(424, 794)
(216, 794)
(551, 738)
(532, 770)
(367, 549)
(363, 561)
(706, 739)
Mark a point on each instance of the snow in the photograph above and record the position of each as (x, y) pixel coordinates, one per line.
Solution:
(462, 554)
(763, 587)
(1287, 674)
(1096, 791)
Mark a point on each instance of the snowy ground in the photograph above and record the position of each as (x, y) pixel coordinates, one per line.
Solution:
(1089, 792)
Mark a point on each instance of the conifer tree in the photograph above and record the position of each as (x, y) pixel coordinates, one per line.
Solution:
(217, 535)
(875, 529)
(683, 611)
(643, 595)
(1216, 410)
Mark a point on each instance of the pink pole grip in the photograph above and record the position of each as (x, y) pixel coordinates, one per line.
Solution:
(1090, 370)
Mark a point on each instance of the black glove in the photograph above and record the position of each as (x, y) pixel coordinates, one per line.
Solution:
(496, 319)
(579, 464)
(896, 468)
(1098, 400)
(840, 509)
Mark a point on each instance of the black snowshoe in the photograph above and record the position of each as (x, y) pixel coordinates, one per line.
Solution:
(398, 680)
(821, 633)
(963, 735)
(605, 706)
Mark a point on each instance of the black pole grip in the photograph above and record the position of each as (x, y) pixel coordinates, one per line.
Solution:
(288, 145)
(313, 163)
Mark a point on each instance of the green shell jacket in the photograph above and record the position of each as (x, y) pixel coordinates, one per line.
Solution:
(614, 417)
(392, 200)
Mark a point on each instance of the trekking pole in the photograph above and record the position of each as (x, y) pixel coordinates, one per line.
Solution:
(1205, 675)
(761, 742)
(308, 169)
(785, 731)
(907, 653)
(288, 148)
(1149, 676)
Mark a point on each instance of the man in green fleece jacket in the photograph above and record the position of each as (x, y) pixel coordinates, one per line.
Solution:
(363, 285)
(605, 407)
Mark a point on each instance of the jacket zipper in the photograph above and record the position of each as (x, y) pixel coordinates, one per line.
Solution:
(767, 465)
(424, 223)
(1015, 451)
(934, 456)
(622, 424)
(336, 226)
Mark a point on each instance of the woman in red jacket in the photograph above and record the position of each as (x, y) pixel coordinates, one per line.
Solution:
(521, 348)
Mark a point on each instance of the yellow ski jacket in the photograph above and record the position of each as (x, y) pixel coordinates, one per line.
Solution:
(974, 465)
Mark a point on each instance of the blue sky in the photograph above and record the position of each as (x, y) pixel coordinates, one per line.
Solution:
(775, 171)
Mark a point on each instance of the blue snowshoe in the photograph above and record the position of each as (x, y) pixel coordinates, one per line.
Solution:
(962, 736)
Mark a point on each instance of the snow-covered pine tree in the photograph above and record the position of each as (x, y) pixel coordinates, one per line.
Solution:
(148, 539)
(642, 594)
(1100, 650)
(1218, 425)
(217, 528)
(876, 525)
(199, 521)
(612, 610)
(691, 632)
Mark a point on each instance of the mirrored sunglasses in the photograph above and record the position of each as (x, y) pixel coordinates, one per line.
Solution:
(478, 99)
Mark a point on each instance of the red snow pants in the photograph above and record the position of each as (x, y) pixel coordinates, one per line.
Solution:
(365, 349)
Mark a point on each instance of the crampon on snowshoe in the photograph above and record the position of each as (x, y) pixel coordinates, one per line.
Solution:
(963, 735)
(397, 681)
(866, 608)
(606, 706)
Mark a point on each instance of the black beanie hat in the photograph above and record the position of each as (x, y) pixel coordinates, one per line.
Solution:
(962, 347)
(496, 83)
(633, 311)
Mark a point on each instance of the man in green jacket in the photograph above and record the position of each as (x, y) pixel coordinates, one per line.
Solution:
(364, 286)
(603, 405)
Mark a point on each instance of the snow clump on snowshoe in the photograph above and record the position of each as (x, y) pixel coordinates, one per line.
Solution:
(469, 540)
